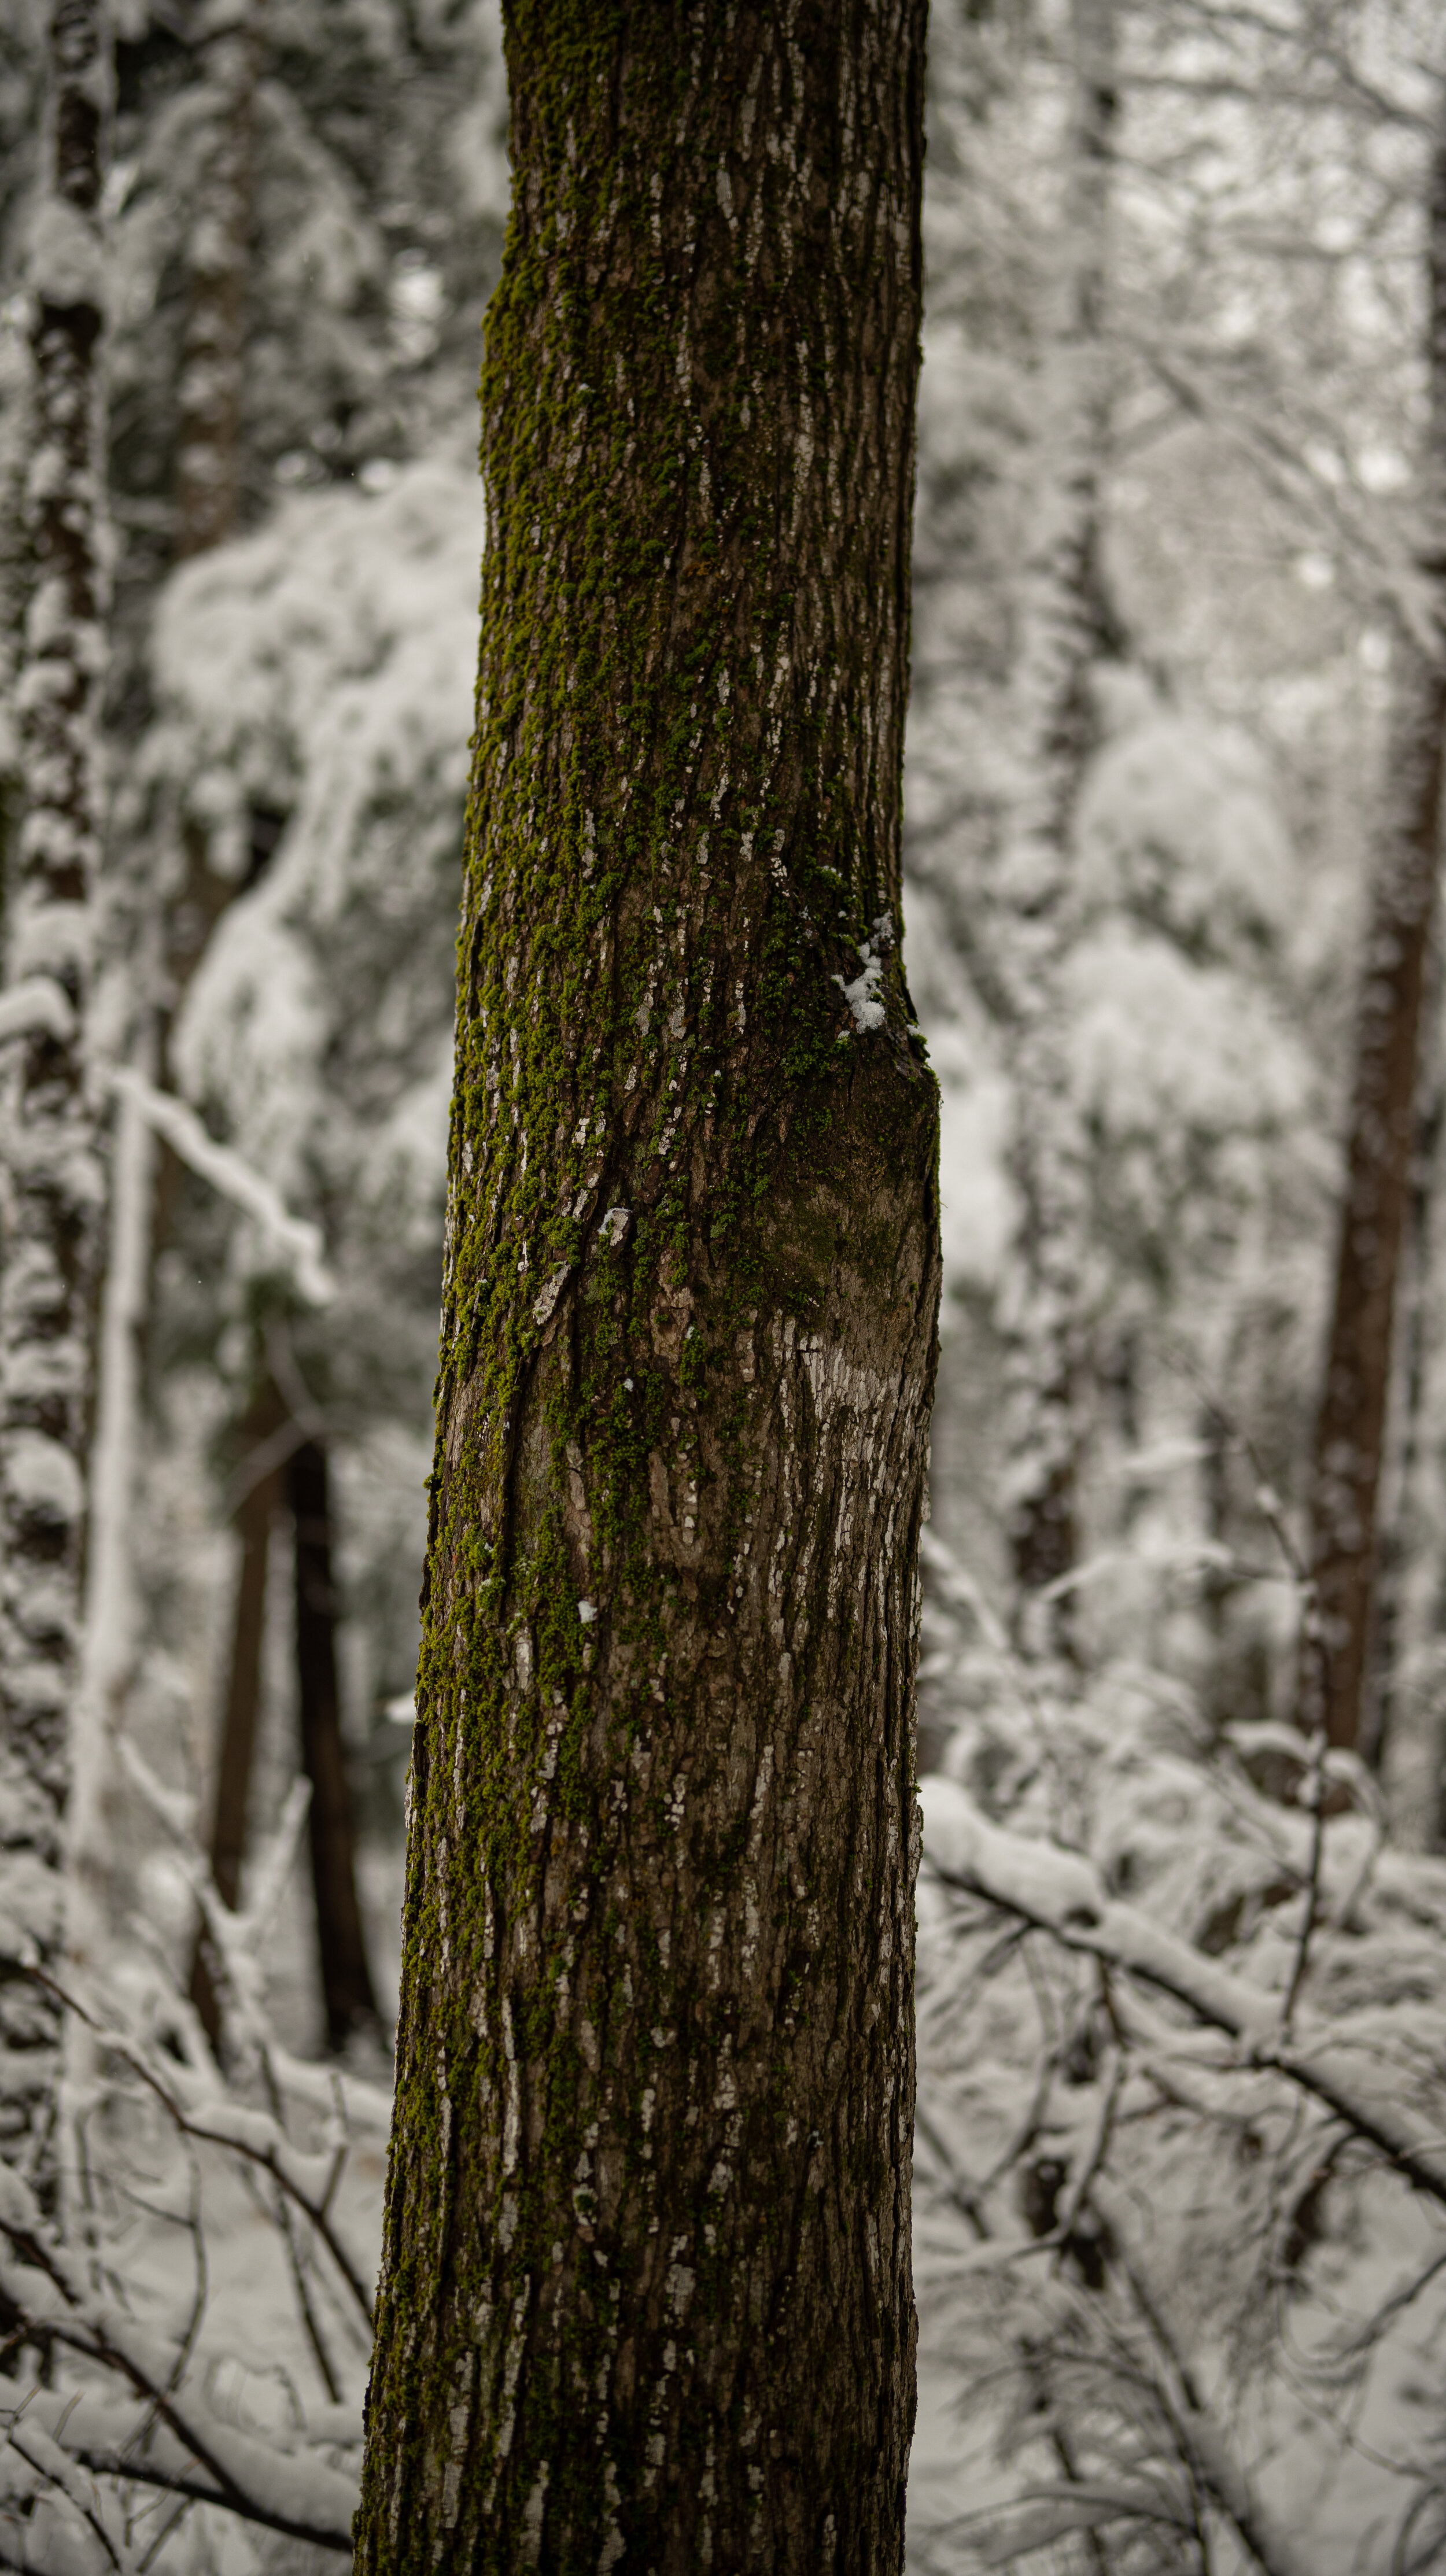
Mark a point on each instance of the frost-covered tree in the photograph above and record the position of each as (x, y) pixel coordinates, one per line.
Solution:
(1064, 627)
(646, 2292)
(52, 1170)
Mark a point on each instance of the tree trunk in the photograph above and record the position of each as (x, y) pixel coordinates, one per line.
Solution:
(346, 1984)
(255, 1512)
(646, 2294)
(208, 460)
(1401, 1534)
(53, 1178)
(1065, 627)
(1351, 1424)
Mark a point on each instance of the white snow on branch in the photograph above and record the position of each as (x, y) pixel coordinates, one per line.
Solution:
(294, 2492)
(1061, 1892)
(65, 259)
(38, 1006)
(294, 1237)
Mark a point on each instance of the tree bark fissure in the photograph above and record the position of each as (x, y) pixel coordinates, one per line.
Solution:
(1404, 902)
(650, 2167)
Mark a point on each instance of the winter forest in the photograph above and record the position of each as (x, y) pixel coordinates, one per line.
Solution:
(1171, 813)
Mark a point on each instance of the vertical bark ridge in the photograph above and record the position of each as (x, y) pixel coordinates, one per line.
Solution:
(646, 2293)
(1062, 630)
(1400, 929)
(52, 1175)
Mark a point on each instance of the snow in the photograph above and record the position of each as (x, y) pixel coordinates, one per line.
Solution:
(323, 669)
(295, 1240)
(42, 1477)
(65, 260)
(37, 1004)
(862, 995)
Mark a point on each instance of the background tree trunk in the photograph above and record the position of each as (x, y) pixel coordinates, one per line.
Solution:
(53, 1181)
(346, 1984)
(1351, 1423)
(646, 2293)
(208, 453)
(254, 1515)
(1065, 630)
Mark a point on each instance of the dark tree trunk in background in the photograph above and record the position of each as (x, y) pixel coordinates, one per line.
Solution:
(225, 37)
(346, 1984)
(646, 2296)
(1401, 1534)
(1351, 1425)
(53, 1180)
(262, 1499)
(208, 456)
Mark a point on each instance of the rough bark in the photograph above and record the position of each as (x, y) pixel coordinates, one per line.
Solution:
(346, 1985)
(1351, 1423)
(263, 1497)
(1063, 629)
(646, 2294)
(52, 1175)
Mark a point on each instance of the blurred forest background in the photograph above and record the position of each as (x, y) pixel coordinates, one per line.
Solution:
(1172, 811)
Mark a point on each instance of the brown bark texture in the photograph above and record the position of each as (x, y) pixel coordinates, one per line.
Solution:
(1401, 924)
(53, 1182)
(346, 1986)
(646, 2296)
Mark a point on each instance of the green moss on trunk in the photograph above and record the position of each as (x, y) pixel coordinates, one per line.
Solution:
(646, 2295)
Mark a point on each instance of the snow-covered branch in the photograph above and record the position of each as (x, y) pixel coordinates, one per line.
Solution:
(186, 2443)
(294, 1238)
(1061, 1892)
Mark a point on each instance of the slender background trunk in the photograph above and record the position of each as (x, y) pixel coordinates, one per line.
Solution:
(1064, 630)
(209, 454)
(646, 2295)
(1351, 1424)
(53, 1183)
(346, 1985)
(261, 1500)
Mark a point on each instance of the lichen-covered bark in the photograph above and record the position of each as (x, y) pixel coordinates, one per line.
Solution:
(52, 1180)
(1404, 899)
(646, 2293)
(1063, 631)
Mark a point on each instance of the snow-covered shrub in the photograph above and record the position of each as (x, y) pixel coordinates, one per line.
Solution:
(187, 2334)
(1182, 2090)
